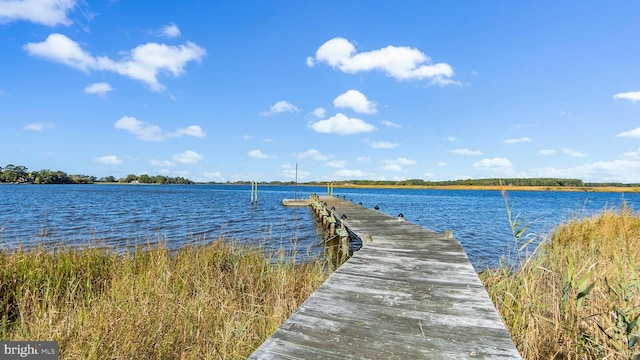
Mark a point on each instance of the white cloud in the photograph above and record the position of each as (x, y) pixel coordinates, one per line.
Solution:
(574, 153)
(148, 132)
(633, 154)
(319, 113)
(383, 145)
(547, 152)
(257, 154)
(280, 107)
(163, 163)
(289, 172)
(100, 88)
(337, 164)
(519, 140)
(363, 159)
(310, 61)
(451, 138)
(39, 126)
(429, 175)
(170, 31)
(624, 171)
(45, 12)
(396, 164)
(466, 152)
(390, 124)
(632, 96)
(495, 164)
(108, 159)
(351, 174)
(312, 154)
(341, 125)
(143, 63)
(187, 157)
(442, 163)
(354, 99)
(635, 133)
(192, 130)
(400, 63)
(213, 176)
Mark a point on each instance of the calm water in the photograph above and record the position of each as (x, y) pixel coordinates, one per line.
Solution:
(120, 215)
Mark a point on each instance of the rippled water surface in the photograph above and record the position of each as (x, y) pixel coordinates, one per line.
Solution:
(120, 215)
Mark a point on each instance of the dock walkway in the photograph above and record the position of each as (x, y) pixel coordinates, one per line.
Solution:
(410, 293)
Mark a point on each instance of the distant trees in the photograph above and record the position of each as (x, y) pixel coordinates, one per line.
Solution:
(474, 182)
(20, 174)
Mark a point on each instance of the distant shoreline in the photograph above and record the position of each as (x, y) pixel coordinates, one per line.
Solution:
(621, 189)
(496, 188)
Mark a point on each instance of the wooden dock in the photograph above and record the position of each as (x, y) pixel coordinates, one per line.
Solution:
(409, 293)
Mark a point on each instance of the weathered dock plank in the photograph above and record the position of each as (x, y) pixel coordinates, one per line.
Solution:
(409, 294)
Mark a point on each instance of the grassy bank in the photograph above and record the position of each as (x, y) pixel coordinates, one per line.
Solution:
(218, 301)
(578, 297)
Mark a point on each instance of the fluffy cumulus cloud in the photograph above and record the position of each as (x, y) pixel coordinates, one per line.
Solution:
(149, 132)
(400, 63)
(632, 96)
(396, 164)
(187, 157)
(341, 125)
(289, 171)
(352, 174)
(108, 160)
(624, 171)
(574, 153)
(502, 165)
(312, 154)
(319, 112)
(257, 154)
(170, 31)
(635, 133)
(40, 126)
(101, 89)
(518, 140)
(337, 164)
(354, 99)
(466, 152)
(280, 107)
(143, 63)
(45, 12)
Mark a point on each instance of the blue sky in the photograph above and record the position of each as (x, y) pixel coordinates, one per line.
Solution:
(383, 90)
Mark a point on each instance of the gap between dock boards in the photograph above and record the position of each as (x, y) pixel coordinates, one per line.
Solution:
(411, 293)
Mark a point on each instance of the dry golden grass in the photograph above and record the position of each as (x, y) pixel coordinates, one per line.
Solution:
(578, 296)
(218, 301)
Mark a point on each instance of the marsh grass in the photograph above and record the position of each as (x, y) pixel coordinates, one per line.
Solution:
(215, 301)
(578, 296)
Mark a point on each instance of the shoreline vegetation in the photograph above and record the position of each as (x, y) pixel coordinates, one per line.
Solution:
(215, 301)
(577, 296)
(17, 174)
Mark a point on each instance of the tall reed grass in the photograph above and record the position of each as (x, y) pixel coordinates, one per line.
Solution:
(218, 301)
(578, 295)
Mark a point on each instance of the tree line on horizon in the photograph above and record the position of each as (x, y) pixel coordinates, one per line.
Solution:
(21, 175)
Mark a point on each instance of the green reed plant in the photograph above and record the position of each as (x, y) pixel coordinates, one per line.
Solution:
(216, 301)
(578, 296)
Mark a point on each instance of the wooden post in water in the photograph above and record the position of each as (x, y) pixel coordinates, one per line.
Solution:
(254, 192)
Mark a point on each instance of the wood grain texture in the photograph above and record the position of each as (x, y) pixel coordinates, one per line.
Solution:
(409, 294)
